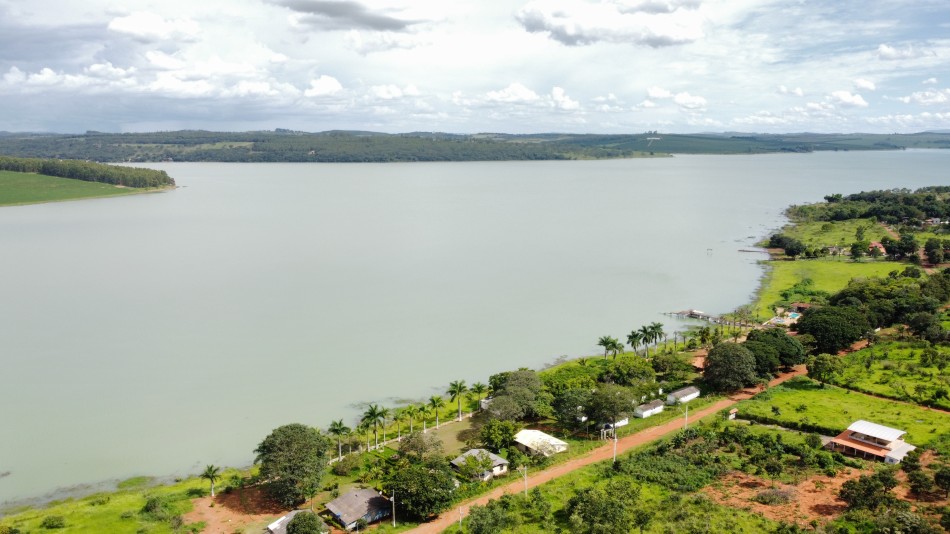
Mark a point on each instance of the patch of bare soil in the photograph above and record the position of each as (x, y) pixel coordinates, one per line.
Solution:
(815, 498)
(234, 511)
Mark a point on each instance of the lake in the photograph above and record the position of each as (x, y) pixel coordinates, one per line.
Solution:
(154, 334)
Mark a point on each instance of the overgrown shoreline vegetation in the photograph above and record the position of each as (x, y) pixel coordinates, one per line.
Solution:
(357, 146)
(665, 486)
(89, 172)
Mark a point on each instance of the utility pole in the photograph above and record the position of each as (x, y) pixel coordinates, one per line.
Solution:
(615, 444)
(524, 472)
(394, 508)
(460, 517)
(686, 420)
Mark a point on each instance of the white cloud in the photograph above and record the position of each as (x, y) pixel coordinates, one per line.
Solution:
(562, 101)
(515, 92)
(927, 98)
(888, 52)
(929, 81)
(786, 91)
(690, 102)
(164, 61)
(845, 98)
(371, 42)
(573, 22)
(323, 86)
(658, 92)
(863, 84)
(647, 104)
(149, 26)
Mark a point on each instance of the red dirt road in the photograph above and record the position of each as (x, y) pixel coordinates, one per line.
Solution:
(597, 455)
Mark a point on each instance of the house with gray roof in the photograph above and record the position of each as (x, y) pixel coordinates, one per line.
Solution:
(365, 504)
(496, 465)
(683, 395)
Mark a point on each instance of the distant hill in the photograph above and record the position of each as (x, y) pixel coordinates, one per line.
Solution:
(362, 146)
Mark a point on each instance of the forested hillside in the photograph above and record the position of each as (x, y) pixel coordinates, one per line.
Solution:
(89, 172)
(353, 146)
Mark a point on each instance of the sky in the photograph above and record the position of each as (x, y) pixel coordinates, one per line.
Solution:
(468, 66)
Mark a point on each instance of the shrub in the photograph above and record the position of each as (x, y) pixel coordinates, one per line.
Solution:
(53, 521)
(346, 465)
(773, 497)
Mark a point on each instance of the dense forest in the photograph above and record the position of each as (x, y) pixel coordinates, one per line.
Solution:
(356, 146)
(89, 172)
(893, 206)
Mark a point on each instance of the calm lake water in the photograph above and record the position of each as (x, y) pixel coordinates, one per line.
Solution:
(154, 334)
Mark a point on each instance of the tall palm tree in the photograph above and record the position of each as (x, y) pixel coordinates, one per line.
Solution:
(657, 330)
(424, 411)
(411, 412)
(634, 339)
(387, 420)
(373, 416)
(608, 343)
(436, 402)
(616, 347)
(210, 474)
(705, 335)
(647, 334)
(338, 429)
(457, 389)
(478, 389)
(399, 415)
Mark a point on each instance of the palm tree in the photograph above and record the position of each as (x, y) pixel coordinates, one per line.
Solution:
(399, 415)
(372, 416)
(387, 420)
(478, 389)
(457, 388)
(657, 330)
(424, 411)
(338, 429)
(608, 343)
(210, 474)
(705, 335)
(436, 402)
(635, 339)
(411, 412)
(647, 334)
(616, 347)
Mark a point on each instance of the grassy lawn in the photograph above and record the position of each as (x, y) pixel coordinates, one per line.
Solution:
(801, 402)
(834, 233)
(895, 370)
(827, 274)
(26, 188)
(119, 511)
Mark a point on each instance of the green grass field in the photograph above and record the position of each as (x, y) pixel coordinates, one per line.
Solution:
(801, 401)
(896, 371)
(25, 188)
(834, 233)
(827, 274)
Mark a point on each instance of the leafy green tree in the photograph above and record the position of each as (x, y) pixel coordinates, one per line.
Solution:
(497, 435)
(824, 367)
(338, 429)
(292, 458)
(635, 339)
(479, 389)
(920, 483)
(424, 411)
(729, 367)
(422, 489)
(833, 327)
(610, 403)
(411, 412)
(306, 523)
(790, 350)
(794, 247)
(570, 407)
(489, 519)
(942, 479)
(656, 333)
(436, 402)
(628, 370)
(457, 389)
(606, 510)
(419, 447)
(766, 358)
(609, 344)
(211, 474)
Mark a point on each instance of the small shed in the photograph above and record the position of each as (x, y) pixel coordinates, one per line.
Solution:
(646, 410)
(683, 395)
(280, 526)
(359, 504)
(732, 413)
(537, 442)
(485, 403)
(499, 466)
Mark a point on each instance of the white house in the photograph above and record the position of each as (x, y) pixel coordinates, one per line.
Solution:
(683, 395)
(537, 442)
(864, 438)
(499, 466)
(646, 410)
(618, 424)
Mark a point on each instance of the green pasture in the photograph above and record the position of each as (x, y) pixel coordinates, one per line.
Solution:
(802, 402)
(26, 188)
(834, 233)
(827, 274)
(895, 370)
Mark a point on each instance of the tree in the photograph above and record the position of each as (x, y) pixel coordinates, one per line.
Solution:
(373, 416)
(919, 483)
(774, 467)
(766, 358)
(942, 479)
(833, 327)
(570, 405)
(628, 370)
(794, 247)
(457, 389)
(604, 510)
(790, 351)
(424, 411)
(609, 344)
(641, 518)
(411, 412)
(704, 333)
(422, 489)
(824, 367)
(338, 429)
(292, 459)
(306, 523)
(436, 402)
(419, 446)
(488, 519)
(210, 474)
(656, 333)
(497, 435)
(729, 367)
(635, 339)
(479, 389)
(610, 403)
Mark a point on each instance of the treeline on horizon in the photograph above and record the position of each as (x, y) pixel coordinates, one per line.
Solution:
(357, 146)
(89, 172)
(894, 206)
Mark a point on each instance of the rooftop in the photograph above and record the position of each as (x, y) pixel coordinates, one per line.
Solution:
(356, 504)
(875, 430)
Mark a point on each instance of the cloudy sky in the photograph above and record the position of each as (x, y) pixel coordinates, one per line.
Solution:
(597, 66)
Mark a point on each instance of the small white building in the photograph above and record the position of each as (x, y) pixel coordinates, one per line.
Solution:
(620, 422)
(683, 395)
(537, 442)
(646, 410)
(485, 403)
(499, 466)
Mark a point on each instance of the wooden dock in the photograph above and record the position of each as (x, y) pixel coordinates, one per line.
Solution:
(715, 319)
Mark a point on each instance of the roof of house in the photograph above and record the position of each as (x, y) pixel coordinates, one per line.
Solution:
(537, 440)
(684, 392)
(867, 428)
(356, 504)
(801, 305)
(495, 459)
(652, 405)
(280, 526)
